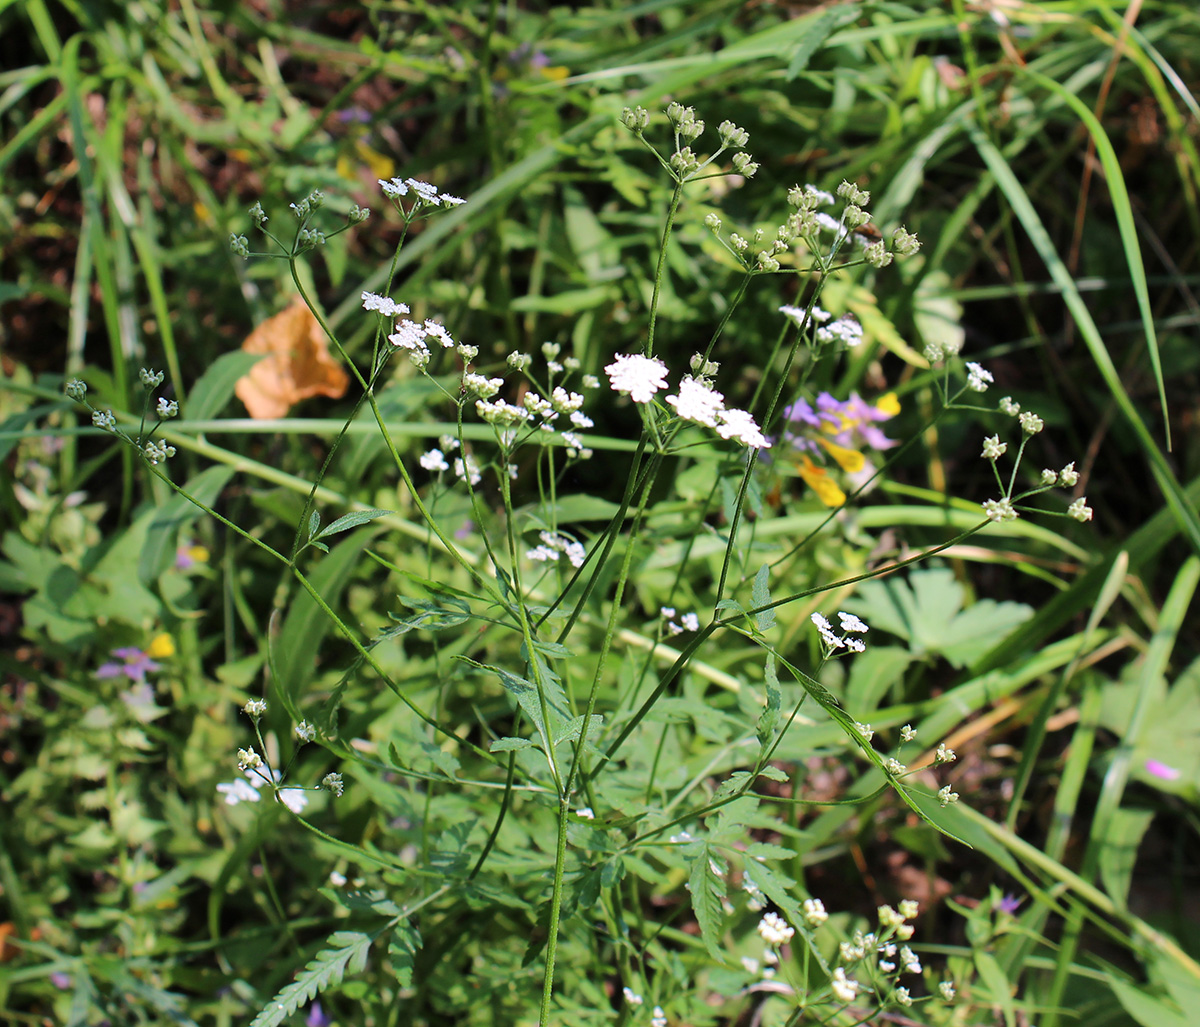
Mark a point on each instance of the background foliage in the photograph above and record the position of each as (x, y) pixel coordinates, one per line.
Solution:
(1045, 154)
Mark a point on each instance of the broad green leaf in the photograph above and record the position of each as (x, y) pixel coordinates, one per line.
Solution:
(162, 534)
(1119, 849)
(215, 387)
(1148, 1010)
(927, 611)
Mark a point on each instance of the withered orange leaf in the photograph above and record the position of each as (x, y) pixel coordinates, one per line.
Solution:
(297, 366)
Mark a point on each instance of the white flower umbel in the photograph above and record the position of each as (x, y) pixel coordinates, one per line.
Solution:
(1009, 406)
(944, 754)
(659, 1019)
(1068, 476)
(631, 996)
(636, 376)
(1080, 510)
(1031, 424)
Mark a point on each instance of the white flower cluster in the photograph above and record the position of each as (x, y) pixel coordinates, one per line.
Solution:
(845, 329)
(555, 545)
(850, 625)
(774, 930)
(384, 305)
(423, 193)
(640, 377)
(688, 622)
(412, 337)
(1002, 509)
(247, 790)
(797, 314)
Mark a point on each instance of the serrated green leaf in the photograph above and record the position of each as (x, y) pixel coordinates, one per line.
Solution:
(402, 949)
(765, 728)
(760, 595)
(350, 520)
(510, 744)
(707, 889)
(347, 953)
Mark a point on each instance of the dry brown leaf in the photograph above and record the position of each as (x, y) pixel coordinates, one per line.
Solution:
(298, 365)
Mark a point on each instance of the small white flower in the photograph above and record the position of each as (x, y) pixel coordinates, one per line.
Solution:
(774, 930)
(909, 958)
(1080, 510)
(631, 996)
(659, 1019)
(1010, 406)
(255, 708)
(814, 912)
(865, 730)
(434, 460)
(304, 731)
(336, 879)
(946, 796)
(843, 987)
(978, 379)
(637, 376)
(167, 408)
(586, 813)
(1031, 424)
(905, 931)
(993, 448)
(909, 908)
(908, 733)
(248, 759)
(944, 754)
(333, 783)
(894, 767)
(903, 997)
(750, 965)
(1068, 476)
(667, 612)
(690, 622)
(947, 990)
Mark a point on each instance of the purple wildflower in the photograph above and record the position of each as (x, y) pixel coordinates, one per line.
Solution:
(134, 664)
(317, 1016)
(1161, 770)
(1009, 904)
